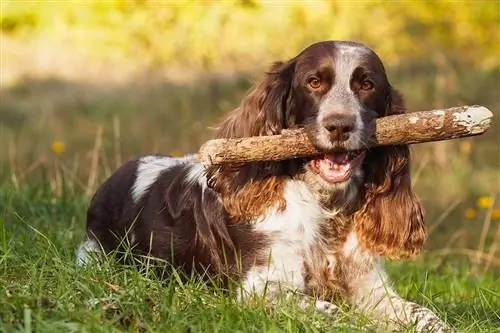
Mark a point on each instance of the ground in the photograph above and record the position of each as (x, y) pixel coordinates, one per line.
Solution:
(42, 290)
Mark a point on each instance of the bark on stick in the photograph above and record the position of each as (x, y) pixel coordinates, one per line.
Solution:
(409, 128)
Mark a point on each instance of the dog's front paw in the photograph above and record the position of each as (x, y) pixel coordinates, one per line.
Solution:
(433, 325)
(326, 307)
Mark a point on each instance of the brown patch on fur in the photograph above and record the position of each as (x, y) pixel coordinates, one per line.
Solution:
(391, 218)
(324, 279)
(253, 199)
(325, 282)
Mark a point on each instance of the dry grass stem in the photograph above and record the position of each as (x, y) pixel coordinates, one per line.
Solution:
(94, 166)
(117, 141)
(486, 228)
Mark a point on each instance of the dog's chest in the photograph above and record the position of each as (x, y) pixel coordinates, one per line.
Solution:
(297, 239)
(291, 243)
(311, 250)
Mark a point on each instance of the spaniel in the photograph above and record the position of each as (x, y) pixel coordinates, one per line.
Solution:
(314, 227)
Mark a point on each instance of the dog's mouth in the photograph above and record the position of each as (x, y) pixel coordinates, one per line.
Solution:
(337, 167)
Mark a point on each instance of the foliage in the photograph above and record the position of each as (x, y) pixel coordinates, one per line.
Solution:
(210, 34)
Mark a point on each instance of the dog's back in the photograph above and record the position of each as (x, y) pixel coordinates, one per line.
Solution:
(161, 207)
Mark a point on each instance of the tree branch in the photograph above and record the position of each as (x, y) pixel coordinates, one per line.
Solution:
(409, 128)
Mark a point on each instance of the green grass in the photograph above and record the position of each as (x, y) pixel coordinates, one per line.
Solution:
(42, 290)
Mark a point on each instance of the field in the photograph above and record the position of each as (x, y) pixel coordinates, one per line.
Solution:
(88, 86)
(43, 290)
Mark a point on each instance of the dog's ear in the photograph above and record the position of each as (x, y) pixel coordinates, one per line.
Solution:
(249, 190)
(264, 110)
(391, 219)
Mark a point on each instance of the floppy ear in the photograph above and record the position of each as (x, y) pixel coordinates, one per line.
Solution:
(391, 218)
(248, 190)
(263, 110)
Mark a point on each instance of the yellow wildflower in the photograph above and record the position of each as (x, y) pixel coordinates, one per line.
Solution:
(465, 147)
(495, 214)
(57, 147)
(470, 213)
(176, 153)
(484, 201)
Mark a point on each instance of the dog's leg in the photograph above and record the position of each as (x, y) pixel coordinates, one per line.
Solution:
(371, 292)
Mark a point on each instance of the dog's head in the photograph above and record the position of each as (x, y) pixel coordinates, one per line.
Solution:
(338, 88)
(334, 89)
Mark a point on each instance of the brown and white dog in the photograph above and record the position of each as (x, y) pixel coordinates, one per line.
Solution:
(314, 226)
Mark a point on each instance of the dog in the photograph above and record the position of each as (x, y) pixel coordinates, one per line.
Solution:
(315, 227)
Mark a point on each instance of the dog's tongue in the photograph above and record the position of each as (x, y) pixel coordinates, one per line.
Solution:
(334, 167)
(336, 158)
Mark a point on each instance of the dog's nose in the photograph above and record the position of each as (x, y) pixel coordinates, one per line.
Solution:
(339, 127)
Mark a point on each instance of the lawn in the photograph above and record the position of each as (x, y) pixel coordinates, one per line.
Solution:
(42, 290)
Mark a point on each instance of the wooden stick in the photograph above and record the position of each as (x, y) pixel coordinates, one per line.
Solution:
(409, 128)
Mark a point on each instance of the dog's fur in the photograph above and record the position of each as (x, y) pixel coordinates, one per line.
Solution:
(281, 226)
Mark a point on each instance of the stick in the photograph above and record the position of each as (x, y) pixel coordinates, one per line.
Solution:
(409, 128)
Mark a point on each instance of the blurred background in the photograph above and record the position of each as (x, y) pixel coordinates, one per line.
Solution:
(86, 85)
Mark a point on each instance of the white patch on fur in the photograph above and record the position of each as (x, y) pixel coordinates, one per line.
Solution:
(351, 244)
(197, 174)
(87, 248)
(148, 170)
(132, 239)
(340, 98)
(326, 307)
(293, 232)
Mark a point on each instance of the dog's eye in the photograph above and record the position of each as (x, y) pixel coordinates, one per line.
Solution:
(314, 83)
(367, 84)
